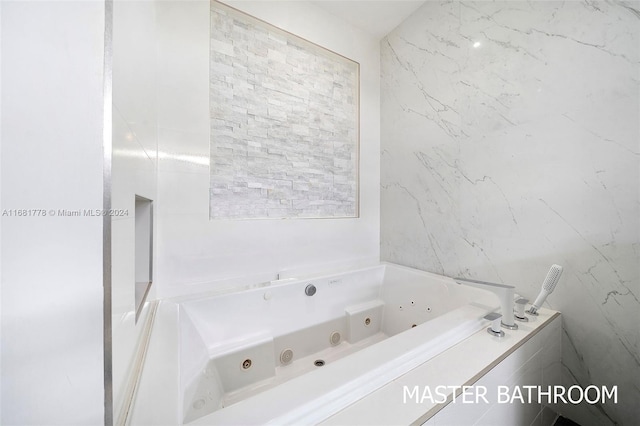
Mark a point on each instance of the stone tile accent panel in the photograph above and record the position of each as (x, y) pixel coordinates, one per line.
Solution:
(284, 123)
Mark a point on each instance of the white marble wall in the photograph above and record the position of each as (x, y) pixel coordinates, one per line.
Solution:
(510, 141)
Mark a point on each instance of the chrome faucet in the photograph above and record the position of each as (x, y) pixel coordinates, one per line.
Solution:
(504, 293)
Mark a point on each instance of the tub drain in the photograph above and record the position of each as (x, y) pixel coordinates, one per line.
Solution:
(318, 363)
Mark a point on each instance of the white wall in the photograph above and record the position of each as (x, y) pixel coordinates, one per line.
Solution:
(196, 254)
(510, 141)
(133, 173)
(51, 313)
(1, 204)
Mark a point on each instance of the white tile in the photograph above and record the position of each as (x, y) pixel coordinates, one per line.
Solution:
(192, 250)
(134, 172)
(182, 151)
(52, 294)
(183, 64)
(183, 194)
(134, 69)
(509, 143)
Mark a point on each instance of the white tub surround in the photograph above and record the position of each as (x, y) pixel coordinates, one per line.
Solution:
(391, 320)
(510, 142)
(529, 356)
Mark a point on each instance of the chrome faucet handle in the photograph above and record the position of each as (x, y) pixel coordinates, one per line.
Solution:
(496, 326)
(519, 315)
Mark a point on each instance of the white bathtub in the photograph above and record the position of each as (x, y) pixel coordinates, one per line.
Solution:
(366, 327)
(390, 320)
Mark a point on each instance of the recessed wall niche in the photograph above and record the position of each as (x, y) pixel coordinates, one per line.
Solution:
(284, 123)
(143, 251)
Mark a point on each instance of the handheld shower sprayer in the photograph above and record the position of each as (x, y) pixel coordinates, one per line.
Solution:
(548, 286)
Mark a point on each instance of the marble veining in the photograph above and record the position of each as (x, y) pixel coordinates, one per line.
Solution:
(511, 141)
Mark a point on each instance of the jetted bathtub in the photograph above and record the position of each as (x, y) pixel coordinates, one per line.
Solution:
(299, 351)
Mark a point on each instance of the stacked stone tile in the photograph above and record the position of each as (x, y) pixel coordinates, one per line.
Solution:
(284, 124)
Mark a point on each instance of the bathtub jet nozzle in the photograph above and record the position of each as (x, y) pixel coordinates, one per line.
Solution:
(549, 284)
